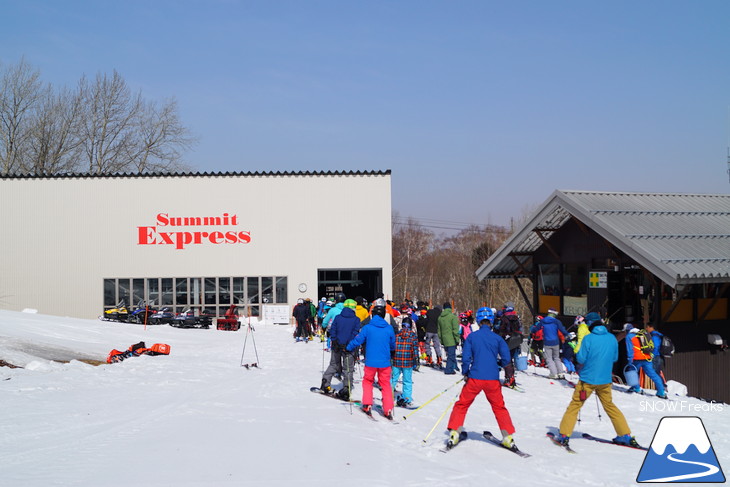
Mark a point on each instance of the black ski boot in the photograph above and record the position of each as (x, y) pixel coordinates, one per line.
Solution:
(344, 394)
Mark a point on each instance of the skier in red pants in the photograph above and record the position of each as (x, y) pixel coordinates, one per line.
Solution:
(483, 353)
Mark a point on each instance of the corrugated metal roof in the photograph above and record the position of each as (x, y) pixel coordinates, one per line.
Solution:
(681, 238)
(196, 174)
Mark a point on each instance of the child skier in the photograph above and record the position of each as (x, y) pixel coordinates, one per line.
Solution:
(406, 356)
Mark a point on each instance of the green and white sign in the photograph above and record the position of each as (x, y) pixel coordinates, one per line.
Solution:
(598, 280)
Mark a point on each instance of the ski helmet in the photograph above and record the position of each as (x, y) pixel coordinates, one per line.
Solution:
(350, 303)
(340, 297)
(300, 301)
(379, 307)
(485, 313)
(407, 321)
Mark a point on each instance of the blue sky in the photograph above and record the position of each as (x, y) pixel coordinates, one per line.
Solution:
(480, 108)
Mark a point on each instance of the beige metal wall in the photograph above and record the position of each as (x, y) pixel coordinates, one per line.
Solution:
(59, 238)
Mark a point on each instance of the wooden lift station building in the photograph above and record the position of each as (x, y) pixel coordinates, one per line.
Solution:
(659, 258)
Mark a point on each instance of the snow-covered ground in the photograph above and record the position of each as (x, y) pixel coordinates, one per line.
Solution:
(197, 418)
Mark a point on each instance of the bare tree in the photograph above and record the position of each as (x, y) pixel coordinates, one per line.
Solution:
(100, 128)
(20, 89)
(110, 115)
(55, 146)
(160, 140)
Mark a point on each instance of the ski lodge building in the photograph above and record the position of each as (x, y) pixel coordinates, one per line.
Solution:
(77, 244)
(659, 258)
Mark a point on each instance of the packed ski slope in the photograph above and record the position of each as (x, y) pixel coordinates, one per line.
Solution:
(197, 418)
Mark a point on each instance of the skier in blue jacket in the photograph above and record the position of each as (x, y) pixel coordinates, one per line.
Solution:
(344, 328)
(597, 353)
(550, 326)
(484, 352)
(379, 340)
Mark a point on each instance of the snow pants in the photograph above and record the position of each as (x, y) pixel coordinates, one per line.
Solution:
(493, 391)
(603, 392)
(552, 357)
(341, 362)
(301, 329)
(432, 339)
(384, 382)
(649, 371)
(451, 365)
(407, 381)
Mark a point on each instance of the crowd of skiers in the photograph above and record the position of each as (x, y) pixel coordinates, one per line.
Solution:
(395, 341)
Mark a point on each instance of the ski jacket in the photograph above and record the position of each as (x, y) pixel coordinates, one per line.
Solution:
(568, 350)
(406, 349)
(483, 354)
(583, 331)
(331, 314)
(536, 332)
(510, 325)
(344, 327)
(432, 317)
(301, 312)
(633, 348)
(550, 327)
(597, 354)
(657, 338)
(361, 312)
(421, 328)
(448, 328)
(379, 339)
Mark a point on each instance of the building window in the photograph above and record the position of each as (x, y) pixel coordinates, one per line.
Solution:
(181, 291)
(110, 292)
(166, 293)
(253, 290)
(281, 290)
(213, 295)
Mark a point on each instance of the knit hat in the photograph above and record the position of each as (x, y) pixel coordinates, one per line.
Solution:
(592, 317)
(447, 305)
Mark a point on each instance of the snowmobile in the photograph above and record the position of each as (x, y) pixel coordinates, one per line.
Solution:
(161, 317)
(142, 313)
(190, 318)
(117, 313)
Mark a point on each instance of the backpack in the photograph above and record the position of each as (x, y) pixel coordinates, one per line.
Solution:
(666, 348)
(646, 343)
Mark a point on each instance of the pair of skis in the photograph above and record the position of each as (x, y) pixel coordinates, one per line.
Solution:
(592, 438)
(490, 438)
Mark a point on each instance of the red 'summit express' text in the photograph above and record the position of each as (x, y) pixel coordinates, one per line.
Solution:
(159, 235)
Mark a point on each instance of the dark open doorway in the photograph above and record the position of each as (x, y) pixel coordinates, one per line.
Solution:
(352, 282)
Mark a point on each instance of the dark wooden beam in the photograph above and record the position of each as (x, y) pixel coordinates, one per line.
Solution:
(545, 242)
(524, 295)
(681, 296)
(714, 302)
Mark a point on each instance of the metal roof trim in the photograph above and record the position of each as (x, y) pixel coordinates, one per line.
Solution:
(193, 174)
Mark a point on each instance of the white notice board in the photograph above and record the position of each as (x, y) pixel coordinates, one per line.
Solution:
(277, 314)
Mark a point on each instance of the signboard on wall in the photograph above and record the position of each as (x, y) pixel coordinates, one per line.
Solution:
(277, 314)
(575, 305)
(598, 280)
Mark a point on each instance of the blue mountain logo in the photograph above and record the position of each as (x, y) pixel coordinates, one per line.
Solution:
(681, 452)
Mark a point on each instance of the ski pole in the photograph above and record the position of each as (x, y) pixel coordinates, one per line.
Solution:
(434, 397)
(441, 417)
(598, 409)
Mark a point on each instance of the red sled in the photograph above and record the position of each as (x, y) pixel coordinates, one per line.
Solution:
(159, 349)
